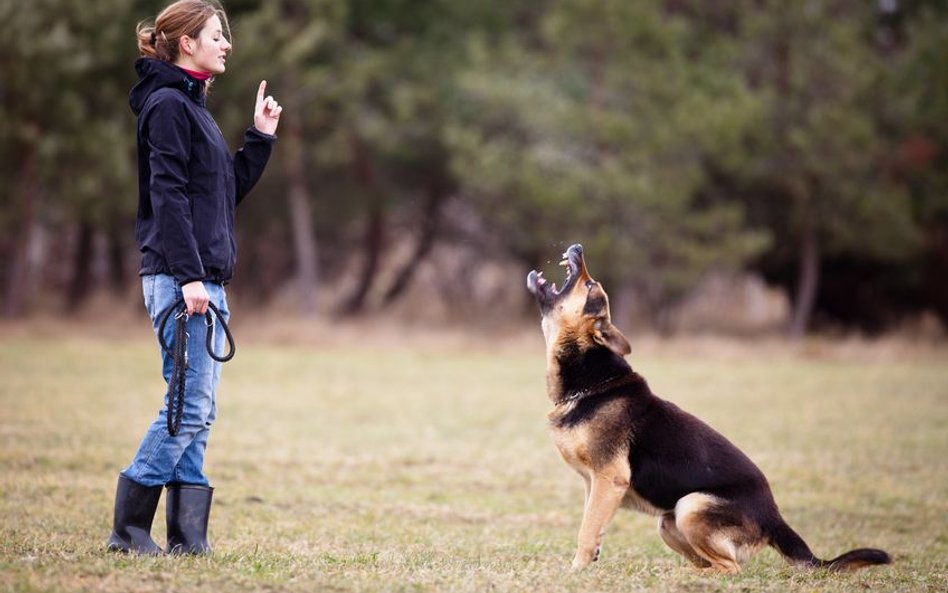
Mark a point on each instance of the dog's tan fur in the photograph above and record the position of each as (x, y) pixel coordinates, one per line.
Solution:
(634, 450)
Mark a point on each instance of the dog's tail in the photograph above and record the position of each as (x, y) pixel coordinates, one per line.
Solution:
(795, 550)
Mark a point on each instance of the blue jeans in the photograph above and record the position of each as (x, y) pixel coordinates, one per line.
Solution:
(162, 458)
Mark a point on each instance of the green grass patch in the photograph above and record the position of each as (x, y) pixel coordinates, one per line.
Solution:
(419, 469)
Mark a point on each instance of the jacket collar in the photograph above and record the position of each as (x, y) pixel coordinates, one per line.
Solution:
(156, 74)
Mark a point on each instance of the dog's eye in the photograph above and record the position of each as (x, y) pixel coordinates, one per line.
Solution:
(590, 283)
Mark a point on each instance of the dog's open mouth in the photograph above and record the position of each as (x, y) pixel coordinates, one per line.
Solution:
(547, 292)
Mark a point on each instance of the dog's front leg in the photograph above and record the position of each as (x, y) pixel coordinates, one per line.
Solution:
(587, 482)
(606, 492)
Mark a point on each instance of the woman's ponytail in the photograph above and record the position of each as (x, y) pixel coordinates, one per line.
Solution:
(147, 41)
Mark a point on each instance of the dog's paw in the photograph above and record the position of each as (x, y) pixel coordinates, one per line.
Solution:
(582, 560)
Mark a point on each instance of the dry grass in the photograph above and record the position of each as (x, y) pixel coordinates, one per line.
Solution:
(375, 461)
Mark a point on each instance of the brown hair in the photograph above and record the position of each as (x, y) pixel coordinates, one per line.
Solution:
(184, 17)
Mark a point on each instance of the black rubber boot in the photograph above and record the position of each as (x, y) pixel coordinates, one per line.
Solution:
(134, 510)
(188, 509)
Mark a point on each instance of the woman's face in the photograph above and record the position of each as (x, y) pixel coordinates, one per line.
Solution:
(210, 49)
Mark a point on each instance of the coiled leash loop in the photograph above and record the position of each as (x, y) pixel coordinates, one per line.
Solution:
(179, 355)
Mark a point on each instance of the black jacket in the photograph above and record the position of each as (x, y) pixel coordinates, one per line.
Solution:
(188, 183)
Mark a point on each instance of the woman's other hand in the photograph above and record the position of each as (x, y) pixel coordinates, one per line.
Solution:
(195, 297)
(266, 112)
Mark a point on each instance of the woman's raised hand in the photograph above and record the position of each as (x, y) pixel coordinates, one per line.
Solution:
(266, 112)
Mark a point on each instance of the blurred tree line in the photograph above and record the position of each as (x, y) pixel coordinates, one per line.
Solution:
(805, 141)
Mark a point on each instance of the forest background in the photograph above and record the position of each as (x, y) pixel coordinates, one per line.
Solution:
(431, 153)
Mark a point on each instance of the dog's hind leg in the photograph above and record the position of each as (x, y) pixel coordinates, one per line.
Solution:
(675, 540)
(607, 488)
(718, 534)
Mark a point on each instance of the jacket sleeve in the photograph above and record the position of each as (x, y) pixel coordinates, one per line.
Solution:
(169, 141)
(251, 159)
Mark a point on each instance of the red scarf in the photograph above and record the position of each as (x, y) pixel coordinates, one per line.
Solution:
(197, 75)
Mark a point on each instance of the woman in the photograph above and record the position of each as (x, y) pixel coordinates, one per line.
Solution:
(189, 186)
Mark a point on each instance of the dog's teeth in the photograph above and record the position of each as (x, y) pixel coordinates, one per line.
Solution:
(564, 263)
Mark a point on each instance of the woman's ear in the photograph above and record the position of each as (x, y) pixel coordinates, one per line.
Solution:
(606, 334)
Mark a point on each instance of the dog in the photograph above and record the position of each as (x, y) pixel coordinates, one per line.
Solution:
(638, 451)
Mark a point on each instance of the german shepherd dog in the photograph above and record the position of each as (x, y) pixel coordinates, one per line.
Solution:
(638, 451)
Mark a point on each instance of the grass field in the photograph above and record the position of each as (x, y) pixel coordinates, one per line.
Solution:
(366, 467)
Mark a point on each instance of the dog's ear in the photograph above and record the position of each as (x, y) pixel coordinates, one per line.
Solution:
(608, 335)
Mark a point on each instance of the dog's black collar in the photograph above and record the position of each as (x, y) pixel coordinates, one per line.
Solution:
(597, 389)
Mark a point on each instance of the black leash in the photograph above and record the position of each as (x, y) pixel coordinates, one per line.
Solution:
(179, 355)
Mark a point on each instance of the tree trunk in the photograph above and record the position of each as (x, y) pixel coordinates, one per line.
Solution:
(81, 281)
(426, 241)
(305, 246)
(372, 249)
(17, 272)
(808, 278)
(118, 272)
(664, 319)
(623, 305)
(374, 238)
(20, 269)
